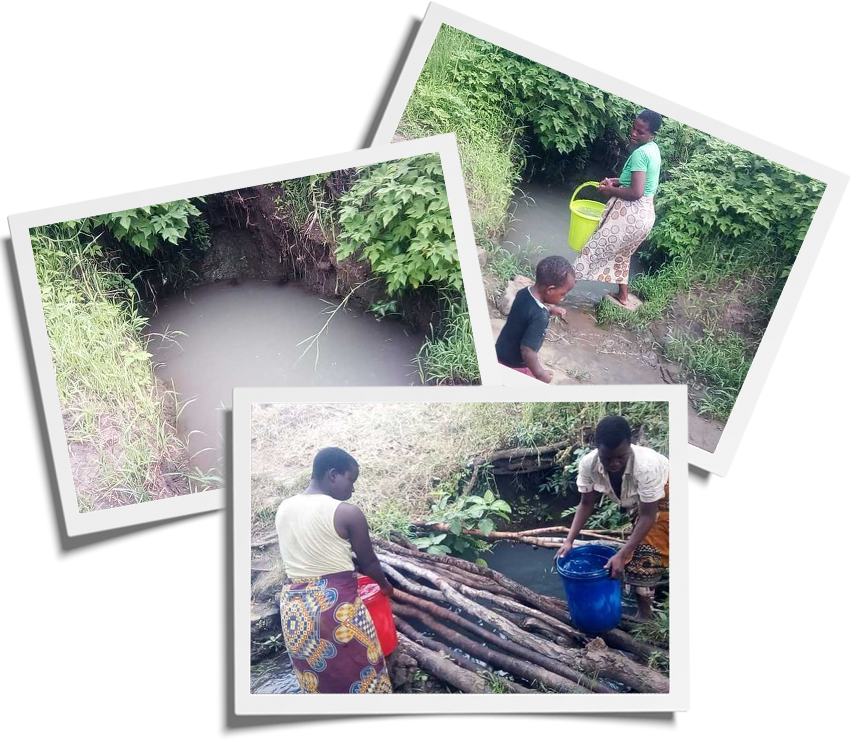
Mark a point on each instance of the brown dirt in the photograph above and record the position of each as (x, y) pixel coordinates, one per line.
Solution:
(88, 458)
(267, 247)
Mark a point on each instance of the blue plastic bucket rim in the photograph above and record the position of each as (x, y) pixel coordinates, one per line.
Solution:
(585, 575)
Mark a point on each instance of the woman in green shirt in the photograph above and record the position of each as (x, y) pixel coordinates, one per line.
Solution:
(629, 214)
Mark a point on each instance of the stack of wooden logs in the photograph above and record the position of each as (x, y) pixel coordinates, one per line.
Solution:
(486, 626)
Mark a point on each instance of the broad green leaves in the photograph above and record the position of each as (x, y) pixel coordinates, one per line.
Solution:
(464, 512)
(144, 228)
(396, 216)
(722, 191)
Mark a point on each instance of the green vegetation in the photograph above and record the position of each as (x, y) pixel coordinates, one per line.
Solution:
(413, 457)
(606, 516)
(487, 138)
(657, 630)
(112, 409)
(145, 228)
(462, 512)
(724, 215)
(448, 356)
(395, 216)
(156, 245)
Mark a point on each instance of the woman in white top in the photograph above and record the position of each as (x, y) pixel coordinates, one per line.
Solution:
(638, 479)
(327, 629)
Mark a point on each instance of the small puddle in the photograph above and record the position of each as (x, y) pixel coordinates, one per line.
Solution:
(248, 335)
(274, 676)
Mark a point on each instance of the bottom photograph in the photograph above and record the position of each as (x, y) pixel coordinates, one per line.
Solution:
(440, 548)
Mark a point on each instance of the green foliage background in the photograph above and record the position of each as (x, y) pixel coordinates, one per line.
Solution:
(397, 216)
(725, 216)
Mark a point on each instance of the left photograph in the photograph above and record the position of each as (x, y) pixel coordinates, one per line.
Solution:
(346, 277)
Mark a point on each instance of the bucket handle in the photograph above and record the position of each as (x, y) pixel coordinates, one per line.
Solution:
(583, 185)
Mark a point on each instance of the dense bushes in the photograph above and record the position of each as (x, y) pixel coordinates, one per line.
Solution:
(710, 188)
(724, 191)
(396, 215)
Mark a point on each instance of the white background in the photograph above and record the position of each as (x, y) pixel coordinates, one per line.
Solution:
(126, 636)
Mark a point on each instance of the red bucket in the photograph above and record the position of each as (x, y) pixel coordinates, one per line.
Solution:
(381, 612)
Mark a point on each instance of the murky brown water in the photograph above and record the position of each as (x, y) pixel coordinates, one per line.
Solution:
(249, 335)
(541, 227)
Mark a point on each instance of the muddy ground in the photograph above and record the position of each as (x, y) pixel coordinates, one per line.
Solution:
(578, 350)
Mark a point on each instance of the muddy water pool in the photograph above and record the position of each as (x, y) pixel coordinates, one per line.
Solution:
(248, 335)
(540, 223)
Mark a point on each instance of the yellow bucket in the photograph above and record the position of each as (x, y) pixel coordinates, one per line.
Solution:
(584, 218)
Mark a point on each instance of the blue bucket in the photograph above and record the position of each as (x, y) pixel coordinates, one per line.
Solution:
(595, 599)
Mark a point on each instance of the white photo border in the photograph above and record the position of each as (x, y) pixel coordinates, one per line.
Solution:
(246, 703)
(77, 523)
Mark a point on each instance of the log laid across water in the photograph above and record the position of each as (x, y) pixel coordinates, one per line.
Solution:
(521, 625)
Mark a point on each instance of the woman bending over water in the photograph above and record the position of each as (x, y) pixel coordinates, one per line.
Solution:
(327, 629)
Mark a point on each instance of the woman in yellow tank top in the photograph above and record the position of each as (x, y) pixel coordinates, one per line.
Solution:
(327, 629)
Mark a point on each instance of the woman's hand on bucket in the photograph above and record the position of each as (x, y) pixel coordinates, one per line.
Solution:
(387, 590)
(563, 550)
(617, 564)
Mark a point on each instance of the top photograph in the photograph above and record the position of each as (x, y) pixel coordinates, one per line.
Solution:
(618, 245)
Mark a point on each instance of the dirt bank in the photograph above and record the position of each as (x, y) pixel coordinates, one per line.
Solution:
(253, 238)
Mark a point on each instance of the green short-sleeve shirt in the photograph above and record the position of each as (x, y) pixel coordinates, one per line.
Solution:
(646, 158)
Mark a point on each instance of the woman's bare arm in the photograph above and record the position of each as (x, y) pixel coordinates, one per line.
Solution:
(350, 523)
(628, 193)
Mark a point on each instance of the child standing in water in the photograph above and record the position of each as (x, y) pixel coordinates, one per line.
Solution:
(326, 627)
(522, 336)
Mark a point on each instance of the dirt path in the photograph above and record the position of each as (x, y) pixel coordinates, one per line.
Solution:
(580, 351)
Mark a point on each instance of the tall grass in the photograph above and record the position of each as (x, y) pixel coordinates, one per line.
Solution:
(115, 417)
(448, 356)
(718, 358)
(722, 360)
(487, 138)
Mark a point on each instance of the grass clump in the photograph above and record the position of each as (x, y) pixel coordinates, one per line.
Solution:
(448, 357)
(657, 630)
(697, 292)
(487, 137)
(117, 421)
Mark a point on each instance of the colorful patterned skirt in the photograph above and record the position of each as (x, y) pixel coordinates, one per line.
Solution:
(331, 638)
(646, 569)
(622, 228)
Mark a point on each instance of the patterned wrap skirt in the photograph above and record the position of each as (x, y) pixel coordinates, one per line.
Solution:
(646, 568)
(623, 227)
(331, 638)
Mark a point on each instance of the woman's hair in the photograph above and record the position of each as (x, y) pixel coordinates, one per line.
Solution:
(328, 458)
(611, 431)
(553, 271)
(652, 118)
